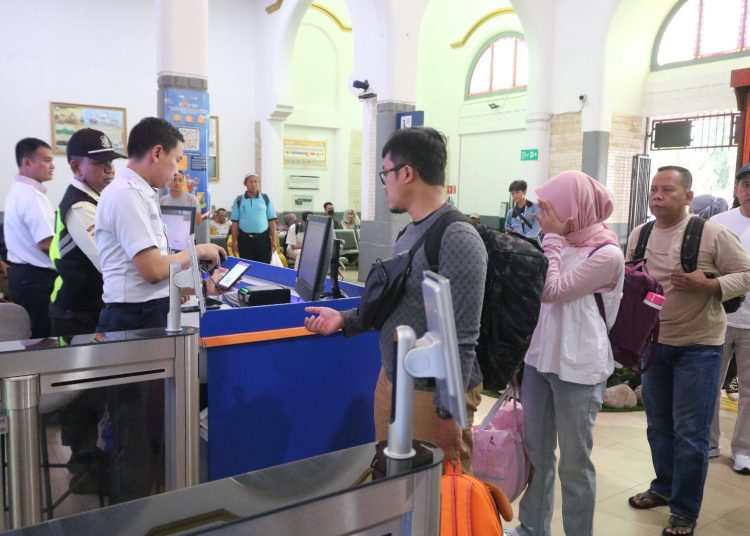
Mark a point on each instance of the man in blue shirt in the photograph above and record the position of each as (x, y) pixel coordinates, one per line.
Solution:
(521, 219)
(253, 223)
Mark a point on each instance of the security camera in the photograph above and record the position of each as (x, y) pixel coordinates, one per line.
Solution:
(359, 84)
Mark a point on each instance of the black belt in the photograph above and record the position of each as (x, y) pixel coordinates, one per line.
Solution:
(253, 235)
(155, 301)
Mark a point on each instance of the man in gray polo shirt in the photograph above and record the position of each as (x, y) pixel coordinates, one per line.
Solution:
(413, 177)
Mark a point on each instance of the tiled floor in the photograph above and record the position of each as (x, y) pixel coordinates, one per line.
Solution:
(623, 465)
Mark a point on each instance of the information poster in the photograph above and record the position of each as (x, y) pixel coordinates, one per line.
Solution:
(188, 111)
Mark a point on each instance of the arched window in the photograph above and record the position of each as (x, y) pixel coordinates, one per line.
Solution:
(501, 65)
(702, 30)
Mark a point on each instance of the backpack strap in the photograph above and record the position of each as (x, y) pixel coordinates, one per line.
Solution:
(238, 201)
(265, 198)
(640, 248)
(598, 295)
(434, 235)
(691, 242)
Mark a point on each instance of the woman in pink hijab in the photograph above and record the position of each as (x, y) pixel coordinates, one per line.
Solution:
(570, 358)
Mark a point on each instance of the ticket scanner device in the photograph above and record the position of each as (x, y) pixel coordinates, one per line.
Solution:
(178, 279)
(434, 355)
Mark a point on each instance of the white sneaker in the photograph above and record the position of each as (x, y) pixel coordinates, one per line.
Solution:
(741, 463)
(714, 452)
(733, 389)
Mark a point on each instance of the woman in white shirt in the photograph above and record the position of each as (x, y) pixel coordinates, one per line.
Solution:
(570, 358)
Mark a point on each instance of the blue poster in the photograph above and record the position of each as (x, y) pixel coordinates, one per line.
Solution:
(188, 110)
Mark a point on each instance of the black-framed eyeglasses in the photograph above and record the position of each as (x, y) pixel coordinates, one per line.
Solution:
(383, 174)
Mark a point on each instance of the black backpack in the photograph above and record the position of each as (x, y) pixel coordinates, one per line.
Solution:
(516, 272)
(688, 253)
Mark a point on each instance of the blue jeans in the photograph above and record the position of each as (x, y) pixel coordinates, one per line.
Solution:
(556, 411)
(679, 392)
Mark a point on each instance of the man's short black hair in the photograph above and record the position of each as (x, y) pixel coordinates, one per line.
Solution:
(518, 186)
(685, 176)
(326, 204)
(27, 147)
(150, 132)
(306, 215)
(423, 148)
(220, 209)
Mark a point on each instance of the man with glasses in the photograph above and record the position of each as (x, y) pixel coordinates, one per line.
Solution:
(413, 177)
(76, 299)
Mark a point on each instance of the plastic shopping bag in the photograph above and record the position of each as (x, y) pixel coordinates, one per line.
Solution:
(498, 455)
(276, 260)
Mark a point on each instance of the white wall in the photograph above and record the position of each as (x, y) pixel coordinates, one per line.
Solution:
(484, 144)
(324, 107)
(99, 53)
(231, 88)
(89, 53)
(632, 88)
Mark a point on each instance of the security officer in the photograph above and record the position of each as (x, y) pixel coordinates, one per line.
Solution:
(253, 223)
(76, 299)
(133, 250)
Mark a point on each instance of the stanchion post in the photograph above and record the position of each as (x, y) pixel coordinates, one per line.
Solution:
(20, 397)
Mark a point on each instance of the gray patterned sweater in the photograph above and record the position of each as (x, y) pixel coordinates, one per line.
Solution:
(463, 260)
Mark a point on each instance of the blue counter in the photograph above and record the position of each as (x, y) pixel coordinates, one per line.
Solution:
(276, 393)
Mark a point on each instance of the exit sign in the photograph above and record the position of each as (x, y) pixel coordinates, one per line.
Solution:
(529, 154)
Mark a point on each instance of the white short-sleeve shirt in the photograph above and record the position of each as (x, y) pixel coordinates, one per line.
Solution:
(29, 219)
(128, 220)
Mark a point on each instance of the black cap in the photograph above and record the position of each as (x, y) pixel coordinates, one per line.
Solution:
(93, 144)
(743, 171)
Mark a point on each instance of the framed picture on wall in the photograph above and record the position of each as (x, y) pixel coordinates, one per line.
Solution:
(305, 154)
(213, 148)
(67, 118)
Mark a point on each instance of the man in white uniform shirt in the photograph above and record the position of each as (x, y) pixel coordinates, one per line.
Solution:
(134, 259)
(737, 338)
(29, 226)
(133, 250)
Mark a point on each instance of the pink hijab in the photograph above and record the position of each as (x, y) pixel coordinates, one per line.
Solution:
(575, 194)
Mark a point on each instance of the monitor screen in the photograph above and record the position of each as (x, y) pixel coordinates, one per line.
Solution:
(180, 224)
(315, 258)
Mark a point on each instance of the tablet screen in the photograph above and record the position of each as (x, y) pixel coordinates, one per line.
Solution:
(233, 275)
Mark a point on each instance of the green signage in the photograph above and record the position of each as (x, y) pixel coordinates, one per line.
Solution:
(529, 154)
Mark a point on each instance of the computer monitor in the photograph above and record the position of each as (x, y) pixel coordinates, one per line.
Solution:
(180, 225)
(315, 258)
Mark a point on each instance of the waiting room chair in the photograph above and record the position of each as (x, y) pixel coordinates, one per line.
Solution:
(350, 250)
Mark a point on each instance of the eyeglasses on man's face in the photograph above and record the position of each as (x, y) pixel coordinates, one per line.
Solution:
(383, 174)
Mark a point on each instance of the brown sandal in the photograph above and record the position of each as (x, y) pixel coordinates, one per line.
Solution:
(647, 499)
(679, 522)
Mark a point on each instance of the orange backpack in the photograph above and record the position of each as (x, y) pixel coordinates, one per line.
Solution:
(469, 506)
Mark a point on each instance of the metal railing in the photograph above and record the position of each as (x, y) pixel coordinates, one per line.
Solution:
(27, 375)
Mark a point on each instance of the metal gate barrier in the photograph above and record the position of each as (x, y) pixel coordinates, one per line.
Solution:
(28, 373)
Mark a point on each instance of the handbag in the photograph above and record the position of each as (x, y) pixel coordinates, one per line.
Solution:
(276, 260)
(498, 455)
(384, 286)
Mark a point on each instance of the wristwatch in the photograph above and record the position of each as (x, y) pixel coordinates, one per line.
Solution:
(443, 414)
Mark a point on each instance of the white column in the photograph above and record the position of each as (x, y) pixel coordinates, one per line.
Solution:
(272, 154)
(182, 38)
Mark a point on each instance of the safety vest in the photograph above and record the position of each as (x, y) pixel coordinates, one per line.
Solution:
(78, 286)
